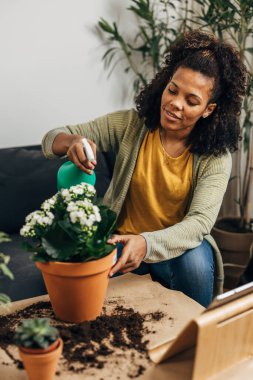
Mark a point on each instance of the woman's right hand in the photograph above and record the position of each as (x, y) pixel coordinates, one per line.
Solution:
(72, 146)
(76, 154)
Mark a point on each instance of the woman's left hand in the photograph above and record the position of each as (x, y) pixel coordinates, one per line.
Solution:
(133, 252)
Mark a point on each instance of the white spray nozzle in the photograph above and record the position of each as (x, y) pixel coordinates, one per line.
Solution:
(88, 150)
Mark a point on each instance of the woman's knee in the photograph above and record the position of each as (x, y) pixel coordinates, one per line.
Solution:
(197, 260)
(192, 273)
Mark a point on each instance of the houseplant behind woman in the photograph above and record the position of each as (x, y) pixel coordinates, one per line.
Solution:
(172, 165)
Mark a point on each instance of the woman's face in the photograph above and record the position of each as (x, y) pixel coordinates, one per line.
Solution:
(185, 100)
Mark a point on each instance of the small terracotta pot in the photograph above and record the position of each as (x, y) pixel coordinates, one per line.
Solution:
(50, 348)
(43, 365)
(77, 290)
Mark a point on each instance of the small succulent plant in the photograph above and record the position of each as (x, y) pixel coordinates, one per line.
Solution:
(35, 333)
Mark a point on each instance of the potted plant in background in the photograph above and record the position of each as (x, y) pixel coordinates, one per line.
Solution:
(40, 347)
(232, 21)
(68, 238)
(157, 27)
(159, 23)
(4, 261)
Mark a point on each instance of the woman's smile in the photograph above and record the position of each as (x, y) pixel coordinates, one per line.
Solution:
(184, 100)
(170, 115)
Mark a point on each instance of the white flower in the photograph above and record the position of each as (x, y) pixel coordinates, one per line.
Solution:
(75, 204)
(78, 192)
(89, 222)
(50, 215)
(73, 217)
(97, 213)
(30, 216)
(27, 231)
(47, 221)
(48, 204)
(72, 207)
(64, 192)
(84, 213)
(40, 218)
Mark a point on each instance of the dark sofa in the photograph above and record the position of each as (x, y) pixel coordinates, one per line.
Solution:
(27, 178)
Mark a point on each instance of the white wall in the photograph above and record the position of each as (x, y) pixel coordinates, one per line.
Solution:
(51, 73)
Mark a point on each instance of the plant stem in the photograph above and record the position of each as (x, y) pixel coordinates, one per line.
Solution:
(132, 65)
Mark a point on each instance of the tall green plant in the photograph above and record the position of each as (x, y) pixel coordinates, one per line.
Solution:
(158, 26)
(232, 21)
(159, 23)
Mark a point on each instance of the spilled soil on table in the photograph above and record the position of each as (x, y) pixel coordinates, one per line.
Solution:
(89, 345)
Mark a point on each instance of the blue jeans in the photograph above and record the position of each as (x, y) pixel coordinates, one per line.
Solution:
(191, 273)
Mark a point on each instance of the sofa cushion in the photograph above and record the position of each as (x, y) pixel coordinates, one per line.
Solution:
(27, 178)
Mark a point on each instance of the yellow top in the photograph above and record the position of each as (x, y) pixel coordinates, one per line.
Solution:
(159, 189)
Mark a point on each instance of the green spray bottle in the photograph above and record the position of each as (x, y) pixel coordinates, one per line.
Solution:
(69, 175)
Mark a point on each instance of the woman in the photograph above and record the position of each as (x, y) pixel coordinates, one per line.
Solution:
(173, 164)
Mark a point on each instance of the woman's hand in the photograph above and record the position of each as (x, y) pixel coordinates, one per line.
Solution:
(76, 154)
(72, 146)
(133, 252)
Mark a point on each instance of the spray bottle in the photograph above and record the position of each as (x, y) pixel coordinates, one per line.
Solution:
(70, 175)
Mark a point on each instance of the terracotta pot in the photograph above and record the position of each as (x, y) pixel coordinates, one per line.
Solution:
(235, 251)
(50, 348)
(77, 290)
(43, 365)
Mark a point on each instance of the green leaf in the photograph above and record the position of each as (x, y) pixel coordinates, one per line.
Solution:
(142, 9)
(105, 26)
(4, 258)
(3, 266)
(96, 246)
(36, 333)
(109, 51)
(4, 238)
(58, 244)
(247, 125)
(70, 229)
(6, 271)
(109, 220)
(96, 252)
(29, 247)
(4, 299)
(250, 50)
(59, 252)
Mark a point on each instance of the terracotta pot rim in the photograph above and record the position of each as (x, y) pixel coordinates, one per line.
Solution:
(77, 269)
(230, 217)
(229, 233)
(42, 352)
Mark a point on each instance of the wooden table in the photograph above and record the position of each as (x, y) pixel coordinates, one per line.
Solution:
(145, 296)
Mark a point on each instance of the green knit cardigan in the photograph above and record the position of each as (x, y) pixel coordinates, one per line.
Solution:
(123, 133)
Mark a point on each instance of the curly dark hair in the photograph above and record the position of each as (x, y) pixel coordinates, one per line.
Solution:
(204, 53)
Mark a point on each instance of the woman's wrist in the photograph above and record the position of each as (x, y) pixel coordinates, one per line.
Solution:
(62, 142)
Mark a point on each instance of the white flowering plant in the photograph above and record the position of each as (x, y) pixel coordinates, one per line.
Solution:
(69, 227)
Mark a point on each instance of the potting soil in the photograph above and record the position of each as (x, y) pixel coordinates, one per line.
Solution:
(119, 334)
